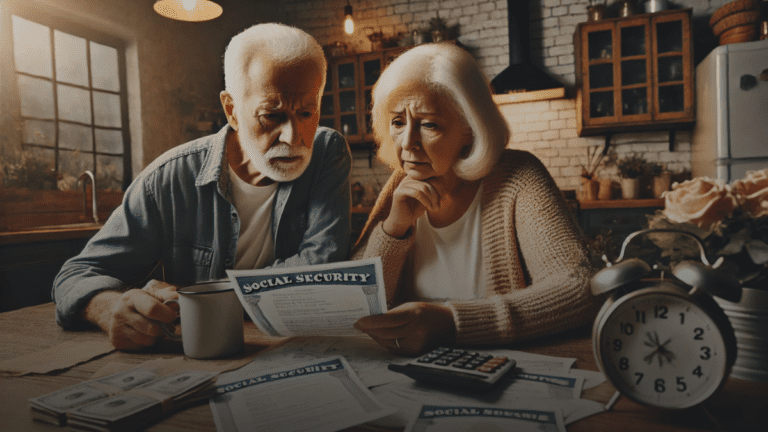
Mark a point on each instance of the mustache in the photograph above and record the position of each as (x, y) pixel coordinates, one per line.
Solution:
(286, 151)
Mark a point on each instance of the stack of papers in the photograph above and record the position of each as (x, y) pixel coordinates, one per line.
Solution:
(123, 401)
(323, 395)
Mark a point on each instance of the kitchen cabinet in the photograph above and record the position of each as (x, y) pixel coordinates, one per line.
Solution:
(28, 268)
(346, 102)
(635, 73)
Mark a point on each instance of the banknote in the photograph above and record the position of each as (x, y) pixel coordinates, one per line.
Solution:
(144, 403)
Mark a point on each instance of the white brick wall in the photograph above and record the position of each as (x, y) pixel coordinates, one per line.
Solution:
(548, 129)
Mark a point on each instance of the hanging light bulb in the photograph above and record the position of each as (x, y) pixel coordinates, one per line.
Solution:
(349, 25)
(188, 10)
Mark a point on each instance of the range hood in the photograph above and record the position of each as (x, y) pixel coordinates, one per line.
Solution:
(522, 75)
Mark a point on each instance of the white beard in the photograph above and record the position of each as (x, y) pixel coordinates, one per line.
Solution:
(277, 170)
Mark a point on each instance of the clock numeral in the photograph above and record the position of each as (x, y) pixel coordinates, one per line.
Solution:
(658, 385)
(626, 328)
(639, 377)
(697, 371)
(660, 312)
(640, 316)
(623, 363)
(617, 344)
(681, 387)
(682, 318)
(705, 353)
(699, 333)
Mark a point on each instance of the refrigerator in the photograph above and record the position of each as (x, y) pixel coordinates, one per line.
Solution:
(731, 132)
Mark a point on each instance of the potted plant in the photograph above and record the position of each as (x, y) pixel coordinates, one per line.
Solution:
(662, 178)
(589, 181)
(438, 28)
(630, 169)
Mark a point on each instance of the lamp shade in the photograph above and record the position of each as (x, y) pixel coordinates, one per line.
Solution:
(188, 10)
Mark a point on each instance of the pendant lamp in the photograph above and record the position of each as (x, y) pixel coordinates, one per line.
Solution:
(188, 10)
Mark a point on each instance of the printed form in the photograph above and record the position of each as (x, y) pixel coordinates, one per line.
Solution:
(289, 399)
(318, 300)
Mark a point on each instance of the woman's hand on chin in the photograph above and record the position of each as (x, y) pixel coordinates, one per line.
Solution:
(410, 200)
(411, 328)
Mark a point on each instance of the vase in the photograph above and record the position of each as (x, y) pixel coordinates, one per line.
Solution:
(630, 188)
(749, 319)
(661, 183)
(605, 191)
(438, 35)
(589, 189)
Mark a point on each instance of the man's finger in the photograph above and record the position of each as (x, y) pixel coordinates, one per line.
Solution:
(152, 308)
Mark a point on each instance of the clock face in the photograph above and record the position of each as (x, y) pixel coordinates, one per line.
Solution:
(661, 349)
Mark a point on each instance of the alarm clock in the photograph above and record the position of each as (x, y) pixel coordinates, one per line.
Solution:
(661, 339)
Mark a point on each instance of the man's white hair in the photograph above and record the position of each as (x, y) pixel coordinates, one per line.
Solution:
(278, 43)
(452, 72)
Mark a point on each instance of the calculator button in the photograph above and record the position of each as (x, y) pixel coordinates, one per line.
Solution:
(426, 359)
(441, 362)
(469, 367)
(485, 369)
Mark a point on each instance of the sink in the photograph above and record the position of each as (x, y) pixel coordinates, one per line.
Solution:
(68, 226)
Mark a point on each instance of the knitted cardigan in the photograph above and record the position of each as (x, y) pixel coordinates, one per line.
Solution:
(537, 270)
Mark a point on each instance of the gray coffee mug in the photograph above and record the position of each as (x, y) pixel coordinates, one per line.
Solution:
(211, 320)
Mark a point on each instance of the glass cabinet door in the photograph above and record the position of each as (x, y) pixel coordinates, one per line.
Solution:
(673, 69)
(600, 83)
(371, 69)
(327, 103)
(635, 61)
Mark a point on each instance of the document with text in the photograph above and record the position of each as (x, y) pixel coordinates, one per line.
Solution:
(319, 396)
(439, 418)
(317, 300)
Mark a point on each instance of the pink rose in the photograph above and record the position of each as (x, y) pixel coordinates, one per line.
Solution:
(752, 192)
(701, 201)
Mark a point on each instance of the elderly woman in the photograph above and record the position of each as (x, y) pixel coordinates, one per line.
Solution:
(477, 243)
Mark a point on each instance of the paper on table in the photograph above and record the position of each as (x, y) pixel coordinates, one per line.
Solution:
(367, 358)
(521, 418)
(545, 390)
(321, 395)
(61, 356)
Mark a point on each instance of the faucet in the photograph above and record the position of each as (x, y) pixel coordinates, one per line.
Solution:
(84, 176)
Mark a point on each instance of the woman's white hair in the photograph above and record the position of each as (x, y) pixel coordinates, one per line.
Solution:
(451, 71)
(278, 43)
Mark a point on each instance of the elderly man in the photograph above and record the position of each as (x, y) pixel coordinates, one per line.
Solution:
(269, 189)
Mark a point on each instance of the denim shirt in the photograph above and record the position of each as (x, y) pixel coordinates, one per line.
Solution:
(179, 212)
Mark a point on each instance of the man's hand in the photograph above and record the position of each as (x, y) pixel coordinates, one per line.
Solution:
(411, 328)
(132, 319)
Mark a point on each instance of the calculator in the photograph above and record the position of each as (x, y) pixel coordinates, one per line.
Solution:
(457, 367)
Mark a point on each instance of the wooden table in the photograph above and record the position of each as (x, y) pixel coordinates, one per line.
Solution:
(739, 406)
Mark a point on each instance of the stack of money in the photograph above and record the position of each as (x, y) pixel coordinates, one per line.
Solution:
(123, 401)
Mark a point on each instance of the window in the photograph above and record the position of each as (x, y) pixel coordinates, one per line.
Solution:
(73, 111)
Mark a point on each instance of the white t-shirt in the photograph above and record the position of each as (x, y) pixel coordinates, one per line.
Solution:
(255, 247)
(448, 261)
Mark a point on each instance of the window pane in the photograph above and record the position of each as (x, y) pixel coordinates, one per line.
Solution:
(75, 137)
(36, 97)
(39, 164)
(74, 104)
(74, 163)
(32, 47)
(39, 132)
(109, 173)
(109, 141)
(106, 109)
(71, 64)
(104, 67)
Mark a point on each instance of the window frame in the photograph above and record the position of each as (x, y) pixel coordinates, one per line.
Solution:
(57, 22)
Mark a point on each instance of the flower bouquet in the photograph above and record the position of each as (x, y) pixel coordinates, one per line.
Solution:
(731, 219)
